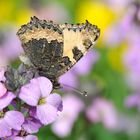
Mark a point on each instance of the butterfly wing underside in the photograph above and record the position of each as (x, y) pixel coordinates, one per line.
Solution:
(52, 48)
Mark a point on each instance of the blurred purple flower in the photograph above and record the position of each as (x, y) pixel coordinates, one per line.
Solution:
(11, 120)
(11, 46)
(133, 80)
(69, 79)
(82, 67)
(54, 11)
(132, 57)
(118, 5)
(116, 33)
(86, 63)
(3, 59)
(132, 61)
(72, 107)
(133, 101)
(104, 111)
(37, 94)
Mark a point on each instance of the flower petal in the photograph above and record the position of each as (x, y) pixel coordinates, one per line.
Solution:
(87, 61)
(14, 119)
(4, 129)
(31, 125)
(62, 128)
(55, 100)
(2, 71)
(30, 94)
(32, 112)
(3, 90)
(6, 100)
(31, 137)
(18, 138)
(70, 79)
(45, 86)
(46, 113)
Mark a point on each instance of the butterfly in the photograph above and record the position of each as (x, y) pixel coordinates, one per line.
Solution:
(54, 48)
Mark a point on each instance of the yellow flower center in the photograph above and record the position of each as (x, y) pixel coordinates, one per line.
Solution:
(1, 114)
(42, 101)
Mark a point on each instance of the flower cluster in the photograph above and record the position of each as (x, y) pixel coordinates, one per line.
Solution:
(26, 104)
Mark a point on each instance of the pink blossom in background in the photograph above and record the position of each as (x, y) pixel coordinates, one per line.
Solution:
(127, 124)
(133, 80)
(117, 32)
(3, 59)
(72, 106)
(118, 5)
(133, 100)
(53, 11)
(11, 46)
(103, 111)
(131, 60)
(69, 78)
(82, 67)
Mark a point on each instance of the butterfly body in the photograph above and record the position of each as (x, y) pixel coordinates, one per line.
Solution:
(53, 49)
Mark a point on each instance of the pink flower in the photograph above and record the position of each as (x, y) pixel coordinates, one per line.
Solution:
(6, 100)
(31, 125)
(11, 47)
(133, 100)
(2, 71)
(84, 66)
(28, 137)
(69, 79)
(11, 120)
(72, 107)
(102, 110)
(55, 12)
(37, 94)
(3, 89)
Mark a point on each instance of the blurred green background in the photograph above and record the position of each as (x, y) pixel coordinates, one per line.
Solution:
(112, 109)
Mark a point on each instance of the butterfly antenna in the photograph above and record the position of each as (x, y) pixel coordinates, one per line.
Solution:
(84, 93)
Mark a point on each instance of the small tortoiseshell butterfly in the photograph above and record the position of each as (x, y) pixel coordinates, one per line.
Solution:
(54, 48)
